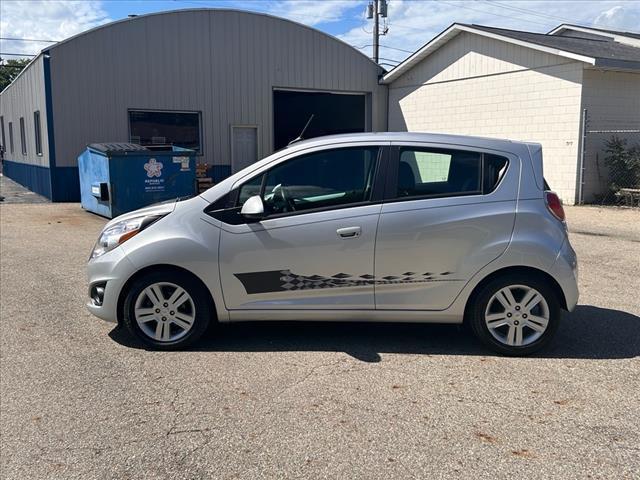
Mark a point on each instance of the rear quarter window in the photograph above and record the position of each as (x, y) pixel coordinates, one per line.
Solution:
(494, 169)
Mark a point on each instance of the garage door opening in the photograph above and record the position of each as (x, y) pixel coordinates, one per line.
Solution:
(333, 113)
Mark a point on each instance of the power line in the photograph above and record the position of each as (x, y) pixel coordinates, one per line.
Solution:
(495, 14)
(546, 25)
(399, 49)
(18, 54)
(391, 60)
(531, 12)
(384, 46)
(39, 40)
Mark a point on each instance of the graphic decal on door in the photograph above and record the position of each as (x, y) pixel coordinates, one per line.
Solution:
(285, 280)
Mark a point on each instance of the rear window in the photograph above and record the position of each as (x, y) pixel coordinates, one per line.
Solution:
(424, 172)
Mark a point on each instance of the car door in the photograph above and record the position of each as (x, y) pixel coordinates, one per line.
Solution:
(314, 247)
(448, 212)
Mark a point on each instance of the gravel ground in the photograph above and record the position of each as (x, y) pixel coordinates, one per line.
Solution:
(311, 401)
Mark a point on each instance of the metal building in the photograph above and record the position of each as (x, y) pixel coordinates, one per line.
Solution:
(233, 85)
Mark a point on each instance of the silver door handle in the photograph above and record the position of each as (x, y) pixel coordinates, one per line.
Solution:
(349, 232)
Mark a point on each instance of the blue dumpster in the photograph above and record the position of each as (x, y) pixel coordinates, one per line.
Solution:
(116, 178)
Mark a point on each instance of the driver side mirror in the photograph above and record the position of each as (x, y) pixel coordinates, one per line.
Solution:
(253, 208)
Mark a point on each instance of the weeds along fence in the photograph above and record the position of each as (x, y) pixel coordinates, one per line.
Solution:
(610, 161)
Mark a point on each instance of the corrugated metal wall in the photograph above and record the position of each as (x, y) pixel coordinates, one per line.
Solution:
(22, 98)
(224, 64)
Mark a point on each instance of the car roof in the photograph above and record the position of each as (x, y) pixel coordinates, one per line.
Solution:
(483, 142)
(520, 149)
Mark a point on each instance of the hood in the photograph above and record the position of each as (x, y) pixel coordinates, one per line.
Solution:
(157, 209)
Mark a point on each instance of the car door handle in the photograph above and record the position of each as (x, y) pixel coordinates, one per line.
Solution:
(349, 232)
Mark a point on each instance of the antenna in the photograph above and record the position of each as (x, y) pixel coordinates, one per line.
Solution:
(303, 130)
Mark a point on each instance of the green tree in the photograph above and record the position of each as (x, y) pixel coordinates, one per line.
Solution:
(10, 69)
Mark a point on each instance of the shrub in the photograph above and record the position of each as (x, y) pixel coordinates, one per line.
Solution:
(623, 162)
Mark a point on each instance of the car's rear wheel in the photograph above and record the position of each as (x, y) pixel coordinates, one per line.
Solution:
(515, 314)
(167, 310)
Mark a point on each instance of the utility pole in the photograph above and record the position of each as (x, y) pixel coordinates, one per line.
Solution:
(376, 33)
(377, 9)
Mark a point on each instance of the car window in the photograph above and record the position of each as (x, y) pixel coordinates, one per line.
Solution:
(494, 169)
(430, 166)
(436, 172)
(249, 189)
(329, 178)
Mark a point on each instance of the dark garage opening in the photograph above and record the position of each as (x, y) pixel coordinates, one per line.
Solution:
(333, 113)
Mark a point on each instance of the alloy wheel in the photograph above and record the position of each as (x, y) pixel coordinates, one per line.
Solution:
(165, 312)
(517, 315)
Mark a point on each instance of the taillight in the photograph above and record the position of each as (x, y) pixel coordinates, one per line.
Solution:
(554, 204)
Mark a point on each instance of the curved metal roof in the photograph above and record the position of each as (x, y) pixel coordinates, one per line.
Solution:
(138, 18)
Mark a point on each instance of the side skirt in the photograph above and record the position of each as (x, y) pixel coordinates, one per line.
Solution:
(400, 316)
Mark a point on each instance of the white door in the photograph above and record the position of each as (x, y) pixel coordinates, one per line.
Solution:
(244, 147)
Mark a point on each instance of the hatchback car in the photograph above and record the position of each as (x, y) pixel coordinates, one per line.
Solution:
(393, 227)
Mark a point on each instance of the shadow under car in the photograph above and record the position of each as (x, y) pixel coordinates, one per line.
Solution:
(587, 333)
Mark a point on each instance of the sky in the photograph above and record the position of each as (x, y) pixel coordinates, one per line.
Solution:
(411, 23)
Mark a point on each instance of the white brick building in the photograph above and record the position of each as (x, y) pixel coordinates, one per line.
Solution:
(493, 82)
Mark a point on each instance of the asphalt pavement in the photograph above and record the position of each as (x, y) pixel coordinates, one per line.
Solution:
(80, 400)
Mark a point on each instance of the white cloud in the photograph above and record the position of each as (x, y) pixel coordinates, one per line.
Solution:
(311, 12)
(620, 17)
(48, 20)
(414, 23)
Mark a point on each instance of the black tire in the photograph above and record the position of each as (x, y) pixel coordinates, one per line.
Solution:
(481, 299)
(199, 296)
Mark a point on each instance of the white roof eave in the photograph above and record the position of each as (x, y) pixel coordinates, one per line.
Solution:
(454, 30)
(619, 37)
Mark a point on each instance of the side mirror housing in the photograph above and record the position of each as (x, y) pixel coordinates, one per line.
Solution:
(253, 208)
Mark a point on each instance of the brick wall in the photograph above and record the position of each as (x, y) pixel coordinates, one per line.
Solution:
(479, 86)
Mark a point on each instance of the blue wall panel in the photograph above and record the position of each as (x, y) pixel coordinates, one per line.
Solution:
(34, 177)
(64, 180)
(66, 184)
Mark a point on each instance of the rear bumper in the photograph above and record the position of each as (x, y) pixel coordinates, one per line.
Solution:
(565, 271)
(112, 269)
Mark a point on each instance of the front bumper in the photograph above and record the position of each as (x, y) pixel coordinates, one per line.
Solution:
(112, 269)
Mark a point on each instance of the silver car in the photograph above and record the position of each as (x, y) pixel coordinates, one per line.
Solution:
(389, 227)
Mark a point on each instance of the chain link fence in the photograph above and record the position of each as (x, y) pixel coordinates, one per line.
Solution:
(610, 161)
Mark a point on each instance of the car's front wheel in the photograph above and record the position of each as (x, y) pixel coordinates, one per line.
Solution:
(167, 310)
(515, 314)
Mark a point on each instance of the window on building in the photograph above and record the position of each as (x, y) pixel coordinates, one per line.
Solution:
(181, 129)
(23, 137)
(11, 137)
(37, 132)
(4, 143)
(425, 172)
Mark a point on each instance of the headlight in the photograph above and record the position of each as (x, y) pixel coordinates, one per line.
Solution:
(120, 232)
